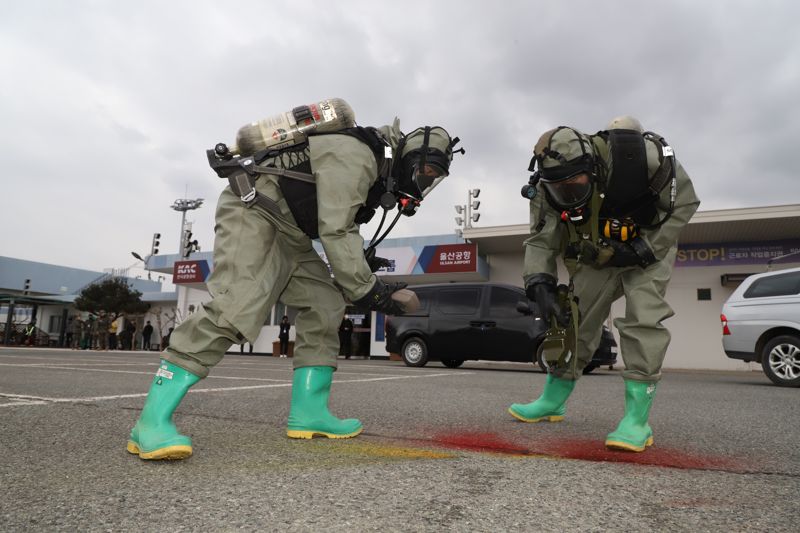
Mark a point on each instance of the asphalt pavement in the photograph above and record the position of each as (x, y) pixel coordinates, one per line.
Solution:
(438, 452)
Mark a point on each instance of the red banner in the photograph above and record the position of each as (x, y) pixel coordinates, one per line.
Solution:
(190, 272)
(450, 258)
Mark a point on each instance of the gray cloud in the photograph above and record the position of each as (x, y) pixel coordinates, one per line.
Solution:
(107, 109)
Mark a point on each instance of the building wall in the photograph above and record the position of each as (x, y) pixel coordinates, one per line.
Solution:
(506, 268)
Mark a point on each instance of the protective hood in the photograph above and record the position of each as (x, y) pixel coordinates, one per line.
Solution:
(392, 134)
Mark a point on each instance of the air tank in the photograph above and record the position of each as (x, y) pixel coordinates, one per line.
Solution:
(292, 127)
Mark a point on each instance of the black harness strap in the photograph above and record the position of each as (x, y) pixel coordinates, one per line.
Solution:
(243, 185)
(666, 163)
(284, 173)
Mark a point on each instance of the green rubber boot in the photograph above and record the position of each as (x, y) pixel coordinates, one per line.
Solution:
(550, 406)
(154, 436)
(633, 432)
(309, 415)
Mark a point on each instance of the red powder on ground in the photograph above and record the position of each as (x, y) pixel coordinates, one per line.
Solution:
(595, 450)
(588, 450)
(480, 442)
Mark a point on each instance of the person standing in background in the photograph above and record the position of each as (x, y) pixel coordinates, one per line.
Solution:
(112, 333)
(147, 332)
(86, 333)
(102, 330)
(283, 336)
(130, 330)
(346, 337)
(77, 329)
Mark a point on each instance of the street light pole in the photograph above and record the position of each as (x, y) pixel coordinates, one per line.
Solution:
(140, 258)
(183, 205)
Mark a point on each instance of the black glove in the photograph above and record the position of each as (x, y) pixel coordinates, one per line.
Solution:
(633, 252)
(541, 288)
(379, 298)
(375, 263)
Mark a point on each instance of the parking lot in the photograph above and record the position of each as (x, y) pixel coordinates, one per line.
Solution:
(438, 451)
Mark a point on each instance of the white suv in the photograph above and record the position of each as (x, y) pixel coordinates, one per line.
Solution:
(761, 322)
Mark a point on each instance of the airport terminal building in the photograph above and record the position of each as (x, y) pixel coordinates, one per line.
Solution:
(717, 250)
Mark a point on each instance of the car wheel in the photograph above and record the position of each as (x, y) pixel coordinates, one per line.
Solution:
(588, 369)
(415, 352)
(539, 360)
(452, 363)
(781, 360)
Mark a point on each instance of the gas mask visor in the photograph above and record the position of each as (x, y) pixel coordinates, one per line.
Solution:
(425, 176)
(570, 185)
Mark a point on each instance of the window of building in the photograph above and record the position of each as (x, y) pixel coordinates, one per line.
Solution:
(55, 324)
(703, 294)
(459, 301)
(777, 285)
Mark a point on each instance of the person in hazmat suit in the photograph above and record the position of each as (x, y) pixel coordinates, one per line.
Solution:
(279, 200)
(612, 206)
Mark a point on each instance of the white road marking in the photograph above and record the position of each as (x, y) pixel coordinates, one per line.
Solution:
(40, 400)
(70, 363)
(64, 359)
(149, 373)
(59, 366)
(15, 402)
(267, 361)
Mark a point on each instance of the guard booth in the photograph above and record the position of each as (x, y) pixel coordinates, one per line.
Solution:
(18, 313)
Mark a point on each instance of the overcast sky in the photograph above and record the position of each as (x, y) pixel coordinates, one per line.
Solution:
(107, 108)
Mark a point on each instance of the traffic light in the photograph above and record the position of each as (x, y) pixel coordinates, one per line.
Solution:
(189, 245)
(156, 242)
(27, 286)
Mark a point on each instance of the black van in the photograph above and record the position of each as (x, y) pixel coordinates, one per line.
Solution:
(463, 321)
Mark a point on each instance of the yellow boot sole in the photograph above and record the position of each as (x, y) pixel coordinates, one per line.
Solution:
(552, 418)
(168, 452)
(304, 434)
(625, 446)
